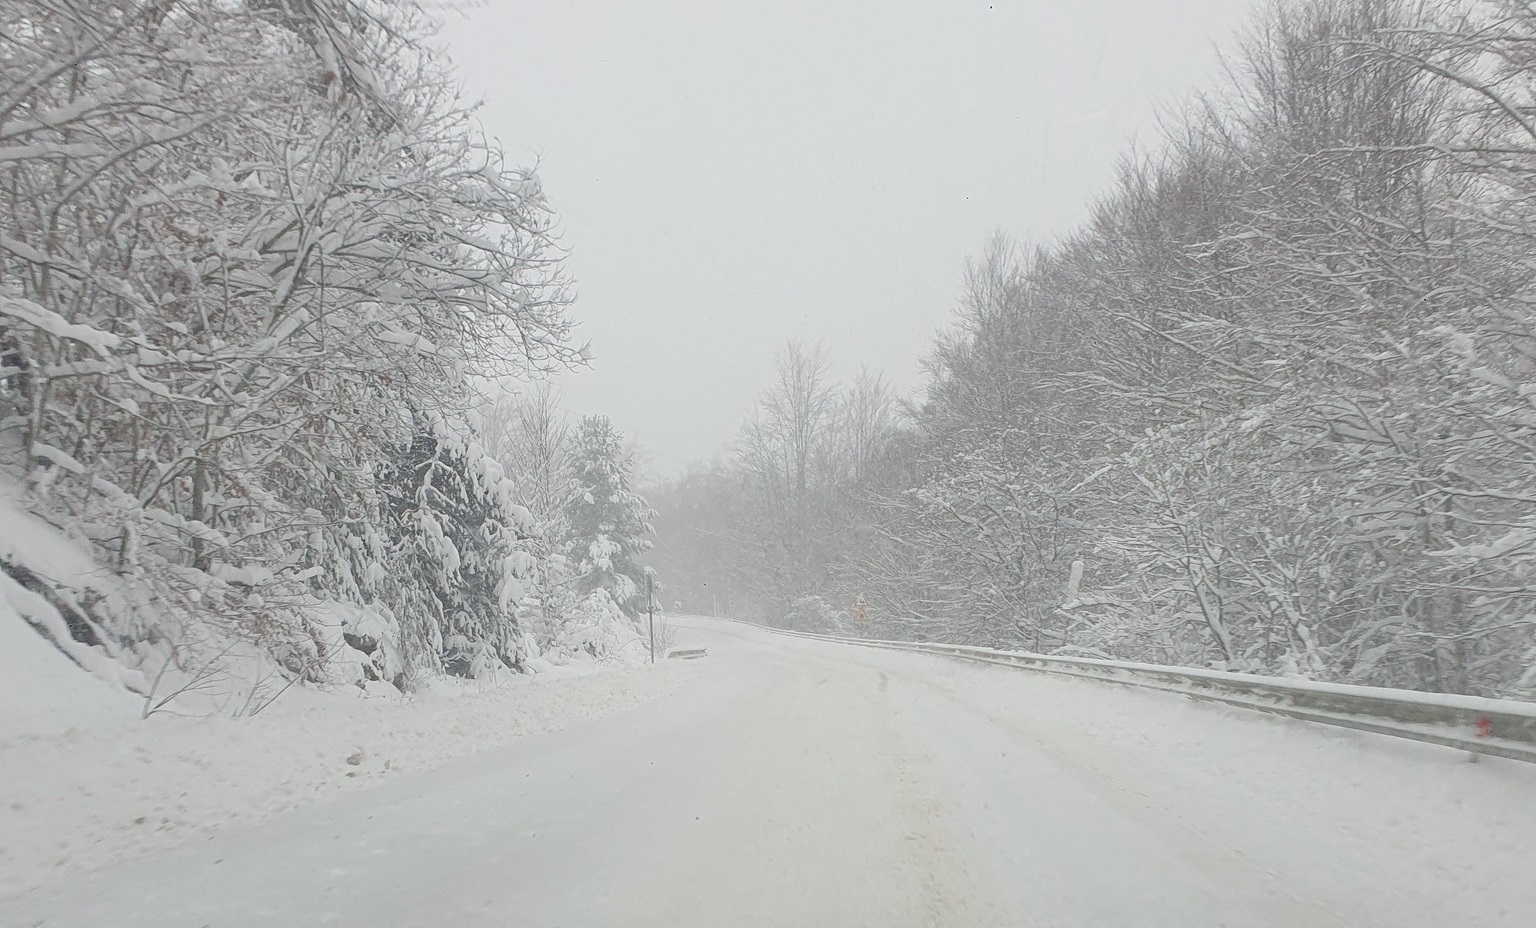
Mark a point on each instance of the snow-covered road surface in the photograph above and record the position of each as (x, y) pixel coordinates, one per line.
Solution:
(803, 783)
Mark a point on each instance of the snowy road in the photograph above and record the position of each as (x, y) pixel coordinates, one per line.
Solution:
(800, 783)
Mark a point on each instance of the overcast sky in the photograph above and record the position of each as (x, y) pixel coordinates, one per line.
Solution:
(730, 175)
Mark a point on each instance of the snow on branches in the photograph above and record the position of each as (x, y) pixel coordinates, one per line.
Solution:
(253, 259)
(1272, 408)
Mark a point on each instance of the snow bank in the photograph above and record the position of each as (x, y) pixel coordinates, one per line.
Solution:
(27, 540)
(75, 800)
(83, 779)
(42, 689)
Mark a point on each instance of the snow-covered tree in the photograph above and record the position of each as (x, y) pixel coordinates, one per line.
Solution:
(1268, 408)
(459, 553)
(609, 524)
(245, 250)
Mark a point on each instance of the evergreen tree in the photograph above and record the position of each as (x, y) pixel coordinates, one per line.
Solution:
(608, 521)
(457, 555)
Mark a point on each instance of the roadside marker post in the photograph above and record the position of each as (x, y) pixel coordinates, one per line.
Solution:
(650, 607)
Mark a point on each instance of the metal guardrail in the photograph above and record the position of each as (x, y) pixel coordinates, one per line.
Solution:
(1495, 727)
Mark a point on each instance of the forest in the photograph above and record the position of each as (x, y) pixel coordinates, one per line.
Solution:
(277, 321)
(272, 307)
(1270, 408)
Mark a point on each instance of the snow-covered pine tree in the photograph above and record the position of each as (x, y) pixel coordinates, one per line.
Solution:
(608, 521)
(457, 556)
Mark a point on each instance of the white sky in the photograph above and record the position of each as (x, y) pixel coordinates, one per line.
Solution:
(733, 174)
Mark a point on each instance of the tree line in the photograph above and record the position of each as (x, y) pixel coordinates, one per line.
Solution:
(1271, 408)
(258, 263)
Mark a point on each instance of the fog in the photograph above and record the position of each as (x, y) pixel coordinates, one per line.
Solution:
(768, 464)
(732, 175)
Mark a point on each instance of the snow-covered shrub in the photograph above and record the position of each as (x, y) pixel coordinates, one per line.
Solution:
(813, 614)
(599, 630)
